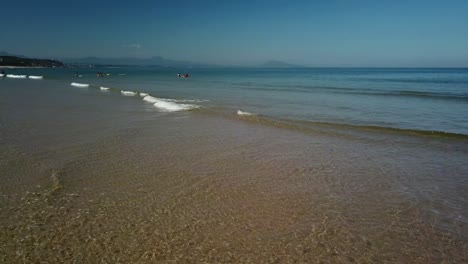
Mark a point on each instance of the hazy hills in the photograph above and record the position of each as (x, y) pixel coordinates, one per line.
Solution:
(152, 61)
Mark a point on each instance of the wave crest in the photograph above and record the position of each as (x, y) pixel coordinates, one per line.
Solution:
(168, 105)
(243, 113)
(14, 76)
(81, 85)
(128, 93)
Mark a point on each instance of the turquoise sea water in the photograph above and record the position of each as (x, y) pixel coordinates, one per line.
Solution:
(407, 98)
(336, 162)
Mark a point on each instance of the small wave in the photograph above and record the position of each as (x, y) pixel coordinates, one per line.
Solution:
(128, 93)
(243, 113)
(143, 94)
(319, 126)
(172, 107)
(186, 100)
(167, 105)
(104, 89)
(433, 95)
(36, 77)
(2, 75)
(14, 76)
(360, 91)
(191, 101)
(150, 99)
(82, 85)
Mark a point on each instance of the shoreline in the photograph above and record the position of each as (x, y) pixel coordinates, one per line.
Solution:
(22, 67)
(102, 178)
(263, 193)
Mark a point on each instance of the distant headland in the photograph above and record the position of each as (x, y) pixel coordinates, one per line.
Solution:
(28, 62)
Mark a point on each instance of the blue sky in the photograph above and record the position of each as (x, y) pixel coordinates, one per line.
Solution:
(313, 33)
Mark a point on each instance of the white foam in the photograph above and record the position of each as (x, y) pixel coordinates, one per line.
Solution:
(143, 94)
(36, 77)
(167, 105)
(128, 93)
(242, 113)
(150, 99)
(104, 89)
(79, 84)
(14, 76)
(172, 107)
(192, 101)
(1, 75)
(186, 100)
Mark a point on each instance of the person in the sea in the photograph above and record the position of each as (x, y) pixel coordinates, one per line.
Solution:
(3, 72)
(178, 75)
(186, 75)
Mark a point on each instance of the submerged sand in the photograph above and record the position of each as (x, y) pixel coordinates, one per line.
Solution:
(131, 185)
(253, 196)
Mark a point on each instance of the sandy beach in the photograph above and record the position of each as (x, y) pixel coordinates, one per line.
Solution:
(106, 178)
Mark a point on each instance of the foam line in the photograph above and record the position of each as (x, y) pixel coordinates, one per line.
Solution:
(150, 99)
(167, 105)
(14, 76)
(128, 93)
(105, 89)
(81, 85)
(242, 113)
(36, 77)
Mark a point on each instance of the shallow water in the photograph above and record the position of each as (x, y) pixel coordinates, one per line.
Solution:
(406, 98)
(89, 176)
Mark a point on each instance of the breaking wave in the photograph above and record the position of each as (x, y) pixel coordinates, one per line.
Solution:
(14, 76)
(128, 93)
(81, 85)
(36, 77)
(168, 105)
(243, 113)
(163, 104)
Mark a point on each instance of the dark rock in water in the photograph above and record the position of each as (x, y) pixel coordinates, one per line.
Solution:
(27, 62)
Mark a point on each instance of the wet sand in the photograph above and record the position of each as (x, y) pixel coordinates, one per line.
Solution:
(130, 185)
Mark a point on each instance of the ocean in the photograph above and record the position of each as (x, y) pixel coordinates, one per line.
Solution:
(244, 165)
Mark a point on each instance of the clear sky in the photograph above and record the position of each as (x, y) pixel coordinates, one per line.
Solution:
(238, 32)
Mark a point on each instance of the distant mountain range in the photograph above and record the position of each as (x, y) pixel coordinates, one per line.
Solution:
(153, 61)
(163, 62)
(279, 64)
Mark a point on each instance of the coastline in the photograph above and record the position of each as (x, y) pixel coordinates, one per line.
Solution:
(21, 67)
(102, 177)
